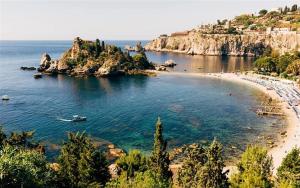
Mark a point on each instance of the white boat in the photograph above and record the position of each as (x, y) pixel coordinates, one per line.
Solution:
(5, 97)
(77, 118)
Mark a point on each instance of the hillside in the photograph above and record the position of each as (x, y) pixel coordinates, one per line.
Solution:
(245, 35)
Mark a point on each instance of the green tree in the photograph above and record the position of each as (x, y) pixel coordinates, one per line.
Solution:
(145, 179)
(203, 167)
(212, 174)
(254, 169)
(262, 12)
(283, 62)
(159, 160)
(265, 64)
(20, 167)
(193, 161)
(133, 162)
(294, 67)
(97, 48)
(294, 8)
(289, 170)
(81, 164)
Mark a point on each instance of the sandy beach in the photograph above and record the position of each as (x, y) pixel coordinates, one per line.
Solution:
(292, 136)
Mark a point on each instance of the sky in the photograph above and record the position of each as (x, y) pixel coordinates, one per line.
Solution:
(117, 19)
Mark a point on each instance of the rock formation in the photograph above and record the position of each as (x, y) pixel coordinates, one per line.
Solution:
(225, 44)
(94, 58)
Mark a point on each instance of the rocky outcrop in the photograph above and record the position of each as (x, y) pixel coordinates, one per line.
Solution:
(226, 44)
(86, 58)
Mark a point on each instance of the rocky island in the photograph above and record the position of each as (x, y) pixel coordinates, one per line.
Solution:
(86, 58)
(245, 35)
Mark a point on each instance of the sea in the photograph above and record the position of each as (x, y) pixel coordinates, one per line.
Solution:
(124, 110)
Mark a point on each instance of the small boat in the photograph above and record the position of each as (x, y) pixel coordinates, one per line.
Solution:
(77, 118)
(37, 75)
(5, 97)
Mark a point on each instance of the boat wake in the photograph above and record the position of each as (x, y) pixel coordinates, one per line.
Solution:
(61, 119)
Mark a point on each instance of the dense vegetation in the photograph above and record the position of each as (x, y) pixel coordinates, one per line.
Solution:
(286, 65)
(81, 164)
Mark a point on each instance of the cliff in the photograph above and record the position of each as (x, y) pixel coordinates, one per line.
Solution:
(94, 58)
(251, 44)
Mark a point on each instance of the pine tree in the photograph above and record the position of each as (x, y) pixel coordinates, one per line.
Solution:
(195, 158)
(254, 169)
(212, 174)
(98, 48)
(203, 167)
(289, 170)
(159, 161)
(81, 164)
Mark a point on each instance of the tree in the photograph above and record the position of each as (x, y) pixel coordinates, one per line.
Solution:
(283, 62)
(159, 160)
(133, 162)
(294, 8)
(203, 167)
(193, 161)
(212, 174)
(262, 12)
(294, 67)
(81, 164)
(254, 169)
(265, 64)
(145, 179)
(289, 170)
(24, 168)
(97, 48)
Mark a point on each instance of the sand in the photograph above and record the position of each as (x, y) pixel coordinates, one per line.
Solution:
(292, 138)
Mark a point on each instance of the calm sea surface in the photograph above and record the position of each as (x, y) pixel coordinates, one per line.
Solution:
(124, 110)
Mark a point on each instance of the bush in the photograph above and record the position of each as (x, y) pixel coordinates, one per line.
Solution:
(262, 12)
(81, 165)
(289, 170)
(24, 168)
(254, 169)
(265, 64)
(133, 162)
(294, 68)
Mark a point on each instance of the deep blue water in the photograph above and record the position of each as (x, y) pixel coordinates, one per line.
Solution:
(123, 110)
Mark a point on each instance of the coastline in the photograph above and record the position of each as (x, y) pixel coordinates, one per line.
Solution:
(285, 144)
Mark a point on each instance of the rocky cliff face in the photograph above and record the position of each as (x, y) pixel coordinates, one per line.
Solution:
(226, 44)
(94, 58)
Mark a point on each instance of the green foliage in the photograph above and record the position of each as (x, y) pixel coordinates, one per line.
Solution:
(265, 64)
(133, 162)
(193, 161)
(159, 160)
(294, 67)
(262, 12)
(24, 168)
(232, 30)
(254, 169)
(203, 167)
(145, 179)
(81, 164)
(97, 48)
(289, 171)
(283, 62)
(245, 20)
(294, 8)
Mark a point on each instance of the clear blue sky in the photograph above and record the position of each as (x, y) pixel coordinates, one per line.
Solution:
(116, 19)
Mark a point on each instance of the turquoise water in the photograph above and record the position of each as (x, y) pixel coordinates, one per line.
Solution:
(123, 110)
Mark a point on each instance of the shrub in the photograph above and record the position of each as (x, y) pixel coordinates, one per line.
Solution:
(294, 67)
(254, 169)
(262, 12)
(24, 168)
(265, 64)
(289, 170)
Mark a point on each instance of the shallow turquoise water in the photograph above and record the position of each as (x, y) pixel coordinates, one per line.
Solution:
(124, 110)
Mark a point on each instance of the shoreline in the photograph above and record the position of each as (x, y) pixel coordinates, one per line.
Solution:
(285, 144)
